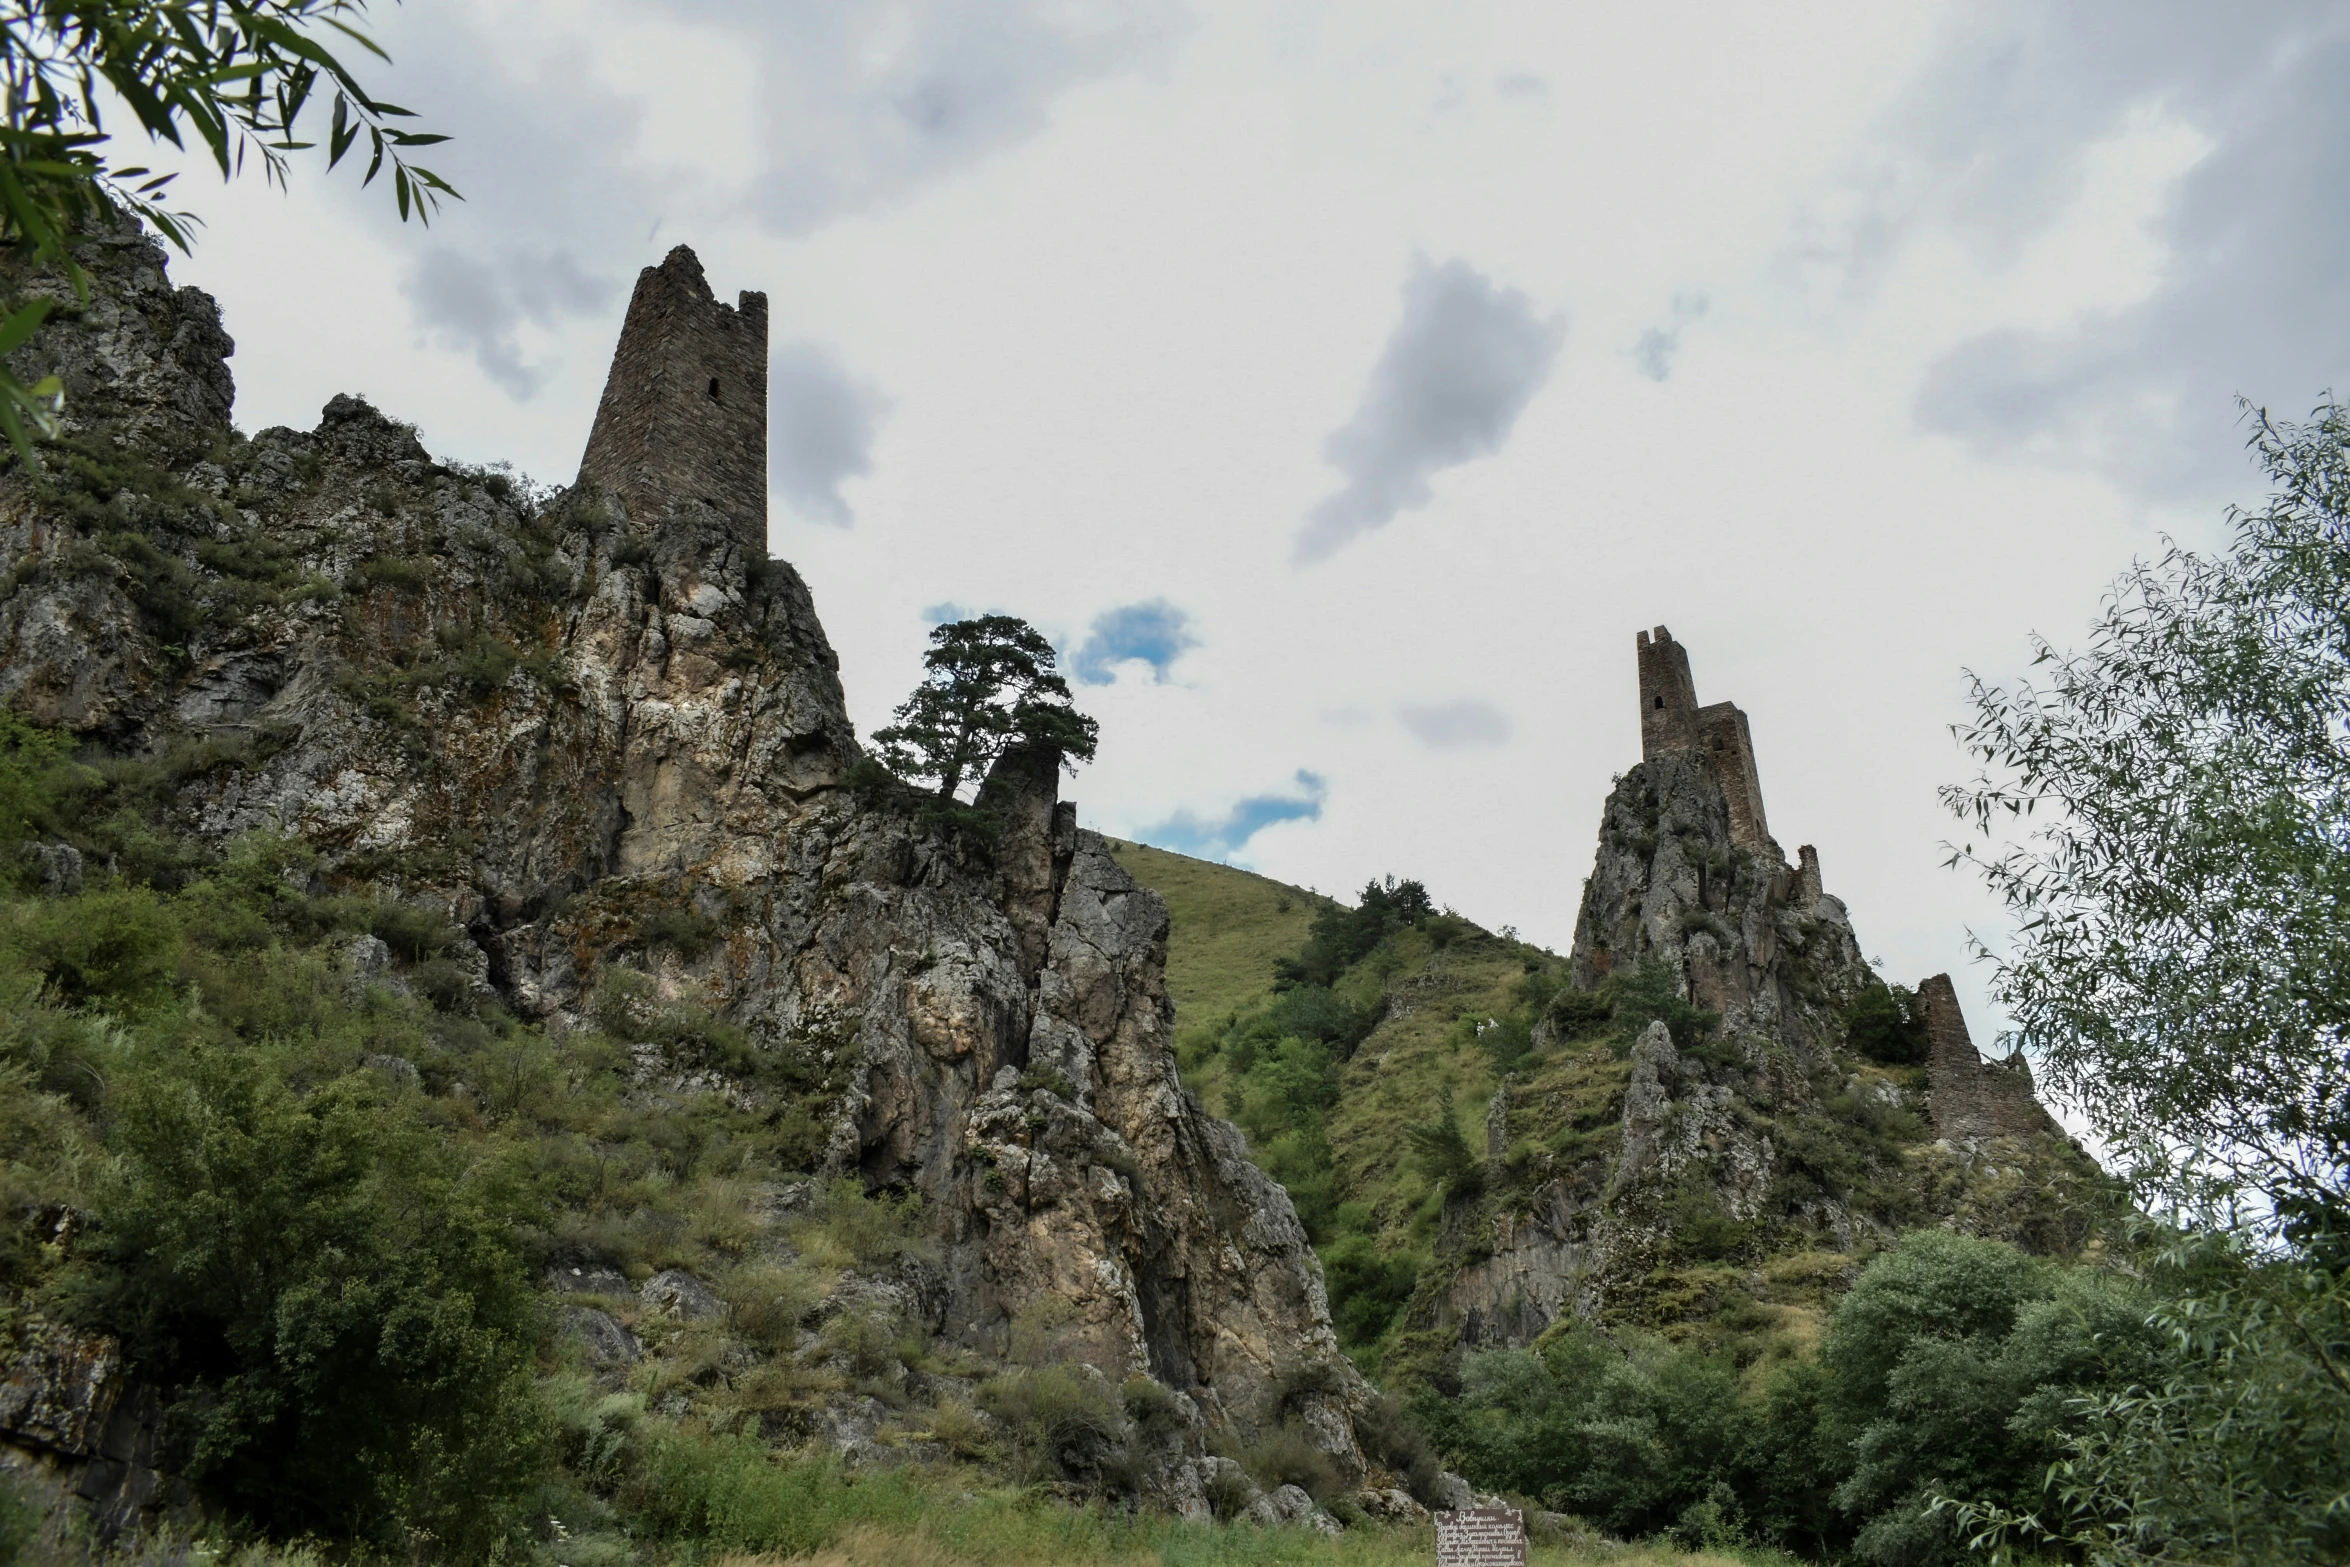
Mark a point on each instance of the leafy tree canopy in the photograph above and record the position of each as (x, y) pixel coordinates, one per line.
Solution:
(237, 75)
(1341, 936)
(988, 684)
(2175, 807)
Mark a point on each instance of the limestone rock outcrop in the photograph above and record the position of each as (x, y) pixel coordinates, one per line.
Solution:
(549, 719)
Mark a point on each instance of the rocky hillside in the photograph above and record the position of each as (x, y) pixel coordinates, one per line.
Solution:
(565, 789)
(1702, 1121)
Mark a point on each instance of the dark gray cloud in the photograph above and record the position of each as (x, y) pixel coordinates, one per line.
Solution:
(1653, 355)
(1454, 726)
(821, 424)
(1221, 837)
(1461, 365)
(479, 307)
(1154, 632)
(2255, 298)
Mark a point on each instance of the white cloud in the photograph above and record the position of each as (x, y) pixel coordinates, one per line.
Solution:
(1122, 278)
(2014, 128)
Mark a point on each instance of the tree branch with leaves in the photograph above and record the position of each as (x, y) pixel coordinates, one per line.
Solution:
(2167, 814)
(239, 78)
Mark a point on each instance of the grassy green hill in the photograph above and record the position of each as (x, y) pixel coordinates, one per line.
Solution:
(1229, 925)
(1330, 1075)
(1360, 1048)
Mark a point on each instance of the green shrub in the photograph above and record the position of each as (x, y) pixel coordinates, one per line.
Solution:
(1629, 1438)
(1506, 1041)
(1341, 937)
(1884, 1024)
(118, 945)
(1287, 1454)
(343, 1320)
(851, 1229)
(1443, 1152)
(400, 573)
(412, 933)
(1390, 1436)
(1959, 1365)
(867, 1341)
(684, 931)
(1580, 1014)
(2232, 1448)
(1316, 1013)
(1652, 992)
(1064, 1419)
(767, 1302)
(1368, 1287)
(34, 773)
(728, 1493)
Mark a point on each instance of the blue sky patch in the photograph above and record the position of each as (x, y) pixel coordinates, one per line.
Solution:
(1220, 839)
(1154, 632)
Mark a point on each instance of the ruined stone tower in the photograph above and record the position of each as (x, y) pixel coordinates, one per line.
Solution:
(1972, 1098)
(1671, 720)
(684, 414)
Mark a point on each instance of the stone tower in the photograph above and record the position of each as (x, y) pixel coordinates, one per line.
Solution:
(1668, 696)
(1671, 720)
(1971, 1098)
(684, 414)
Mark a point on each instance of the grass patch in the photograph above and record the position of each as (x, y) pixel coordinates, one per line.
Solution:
(1228, 927)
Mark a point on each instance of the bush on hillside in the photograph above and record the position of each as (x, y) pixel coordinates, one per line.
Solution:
(1317, 1013)
(1954, 1367)
(1652, 992)
(1368, 1287)
(852, 1229)
(1581, 1014)
(1064, 1419)
(1884, 1024)
(1443, 1152)
(338, 1313)
(118, 945)
(1340, 937)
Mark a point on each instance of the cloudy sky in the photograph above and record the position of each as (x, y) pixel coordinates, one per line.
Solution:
(1341, 385)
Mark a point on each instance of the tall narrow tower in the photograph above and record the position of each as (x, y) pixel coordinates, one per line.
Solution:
(684, 415)
(1671, 720)
(1668, 696)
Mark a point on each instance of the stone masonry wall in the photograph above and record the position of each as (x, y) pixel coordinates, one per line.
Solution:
(1671, 721)
(1970, 1098)
(1668, 696)
(1730, 745)
(684, 412)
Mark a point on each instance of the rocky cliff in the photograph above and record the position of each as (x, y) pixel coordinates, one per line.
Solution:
(1708, 1130)
(566, 724)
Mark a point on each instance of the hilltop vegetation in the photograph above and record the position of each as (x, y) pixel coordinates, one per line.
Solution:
(1755, 1382)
